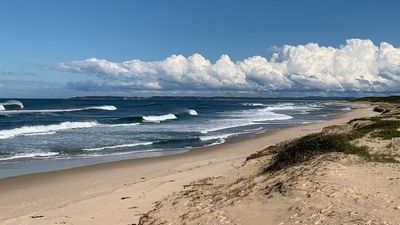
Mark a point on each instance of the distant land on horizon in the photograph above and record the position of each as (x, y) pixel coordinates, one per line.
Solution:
(208, 97)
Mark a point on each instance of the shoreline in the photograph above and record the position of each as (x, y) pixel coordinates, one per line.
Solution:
(59, 164)
(120, 192)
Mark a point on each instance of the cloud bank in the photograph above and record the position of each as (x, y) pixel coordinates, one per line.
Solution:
(356, 66)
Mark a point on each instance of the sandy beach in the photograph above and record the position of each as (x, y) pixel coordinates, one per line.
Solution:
(121, 192)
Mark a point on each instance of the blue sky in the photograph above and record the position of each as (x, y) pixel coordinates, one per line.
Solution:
(40, 39)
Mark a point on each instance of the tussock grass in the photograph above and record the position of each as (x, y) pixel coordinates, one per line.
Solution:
(310, 146)
(385, 129)
(389, 99)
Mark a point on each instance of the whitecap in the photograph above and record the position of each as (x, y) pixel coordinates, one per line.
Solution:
(192, 112)
(41, 129)
(157, 119)
(213, 137)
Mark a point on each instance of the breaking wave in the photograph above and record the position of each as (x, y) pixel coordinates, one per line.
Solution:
(12, 104)
(53, 128)
(158, 118)
(103, 107)
(30, 155)
(192, 112)
(42, 129)
(286, 106)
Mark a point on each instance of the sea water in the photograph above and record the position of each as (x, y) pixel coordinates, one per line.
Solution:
(51, 134)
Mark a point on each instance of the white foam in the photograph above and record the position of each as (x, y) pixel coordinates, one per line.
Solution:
(158, 119)
(2, 108)
(118, 146)
(221, 136)
(30, 155)
(244, 118)
(227, 126)
(266, 115)
(12, 103)
(40, 129)
(103, 107)
(192, 112)
(218, 142)
(121, 125)
(291, 106)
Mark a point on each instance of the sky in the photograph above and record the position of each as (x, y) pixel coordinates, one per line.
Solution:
(52, 49)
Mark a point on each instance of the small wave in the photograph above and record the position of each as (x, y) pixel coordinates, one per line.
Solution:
(213, 137)
(192, 112)
(118, 146)
(285, 106)
(266, 115)
(41, 129)
(291, 106)
(244, 118)
(103, 107)
(218, 142)
(30, 155)
(346, 109)
(13, 104)
(52, 129)
(223, 127)
(158, 119)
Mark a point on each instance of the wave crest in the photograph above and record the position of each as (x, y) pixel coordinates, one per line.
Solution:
(45, 129)
(103, 107)
(53, 128)
(30, 155)
(192, 112)
(13, 104)
(159, 118)
(118, 146)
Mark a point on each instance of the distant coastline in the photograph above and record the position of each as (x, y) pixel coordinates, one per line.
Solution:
(95, 97)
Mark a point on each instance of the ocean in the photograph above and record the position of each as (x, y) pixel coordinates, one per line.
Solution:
(52, 134)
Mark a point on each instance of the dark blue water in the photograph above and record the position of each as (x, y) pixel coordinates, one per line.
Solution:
(54, 134)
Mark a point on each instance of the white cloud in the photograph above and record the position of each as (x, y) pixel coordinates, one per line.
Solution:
(357, 66)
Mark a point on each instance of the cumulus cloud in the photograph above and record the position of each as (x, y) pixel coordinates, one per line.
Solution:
(356, 66)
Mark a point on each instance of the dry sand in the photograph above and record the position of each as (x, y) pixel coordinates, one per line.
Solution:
(121, 192)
